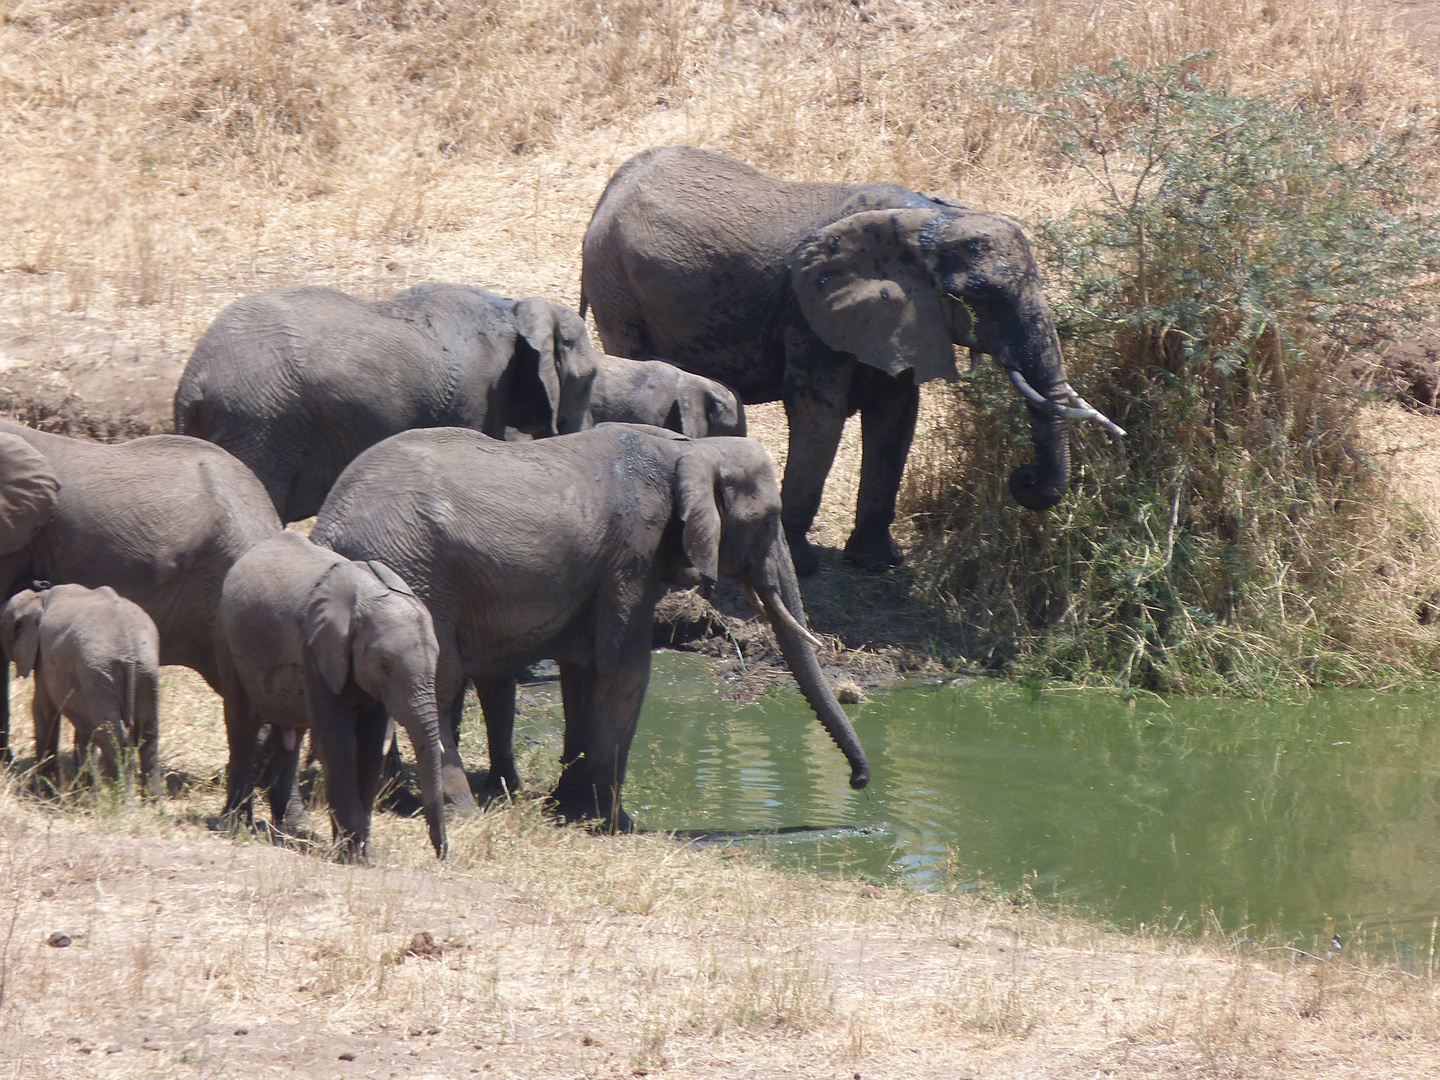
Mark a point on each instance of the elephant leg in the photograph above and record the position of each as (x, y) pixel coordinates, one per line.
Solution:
(816, 407)
(450, 697)
(889, 406)
(110, 737)
(598, 733)
(287, 810)
(47, 734)
(240, 735)
(372, 726)
(497, 701)
(147, 732)
(5, 756)
(334, 730)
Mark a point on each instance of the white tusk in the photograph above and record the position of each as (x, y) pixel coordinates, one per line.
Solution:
(1082, 410)
(782, 613)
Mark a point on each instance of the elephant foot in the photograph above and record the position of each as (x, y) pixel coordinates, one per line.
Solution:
(566, 808)
(873, 550)
(455, 789)
(495, 786)
(802, 552)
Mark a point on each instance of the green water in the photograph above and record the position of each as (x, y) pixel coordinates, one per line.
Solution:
(1274, 817)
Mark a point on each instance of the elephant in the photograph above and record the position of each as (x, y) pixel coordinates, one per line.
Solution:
(159, 519)
(96, 659)
(296, 382)
(560, 549)
(832, 298)
(317, 641)
(663, 395)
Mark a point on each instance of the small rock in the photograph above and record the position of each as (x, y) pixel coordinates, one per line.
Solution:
(347, 1056)
(57, 940)
(848, 692)
(242, 1031)
(871, 891)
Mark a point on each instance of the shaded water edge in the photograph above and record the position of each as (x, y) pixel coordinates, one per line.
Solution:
(1281, 822)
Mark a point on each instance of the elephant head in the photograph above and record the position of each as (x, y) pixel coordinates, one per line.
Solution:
(20, 630)
(710, 408)
(29, 493)
(554, 350)
(362, 622)
(900, 288)
(727, 504)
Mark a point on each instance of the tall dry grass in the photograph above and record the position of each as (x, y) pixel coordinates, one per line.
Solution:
(159, 158)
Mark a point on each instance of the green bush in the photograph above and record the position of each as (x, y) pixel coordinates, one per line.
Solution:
(1237, 251)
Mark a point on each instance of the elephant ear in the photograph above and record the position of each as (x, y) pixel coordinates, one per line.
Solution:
(20, 630)
(329, 629)
(29, 492)
(865, 285)
(389, 578)
(535, 322)
(699, 517)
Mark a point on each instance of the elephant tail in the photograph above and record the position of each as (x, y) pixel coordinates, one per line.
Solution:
(189, 402)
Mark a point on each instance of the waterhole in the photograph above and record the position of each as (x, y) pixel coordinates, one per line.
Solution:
(1271, 820)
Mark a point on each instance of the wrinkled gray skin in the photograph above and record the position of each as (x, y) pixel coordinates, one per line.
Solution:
(96, 658)
(831, 297)
(317, 641)
(296, 382)
(660, 394)
(159, 519)
(560, 548)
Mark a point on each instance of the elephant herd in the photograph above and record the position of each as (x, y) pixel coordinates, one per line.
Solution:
(491, 490)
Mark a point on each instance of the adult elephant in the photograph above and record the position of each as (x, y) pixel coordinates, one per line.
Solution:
(833, 298)
(297, 382)
(159, 519)
(559, 549)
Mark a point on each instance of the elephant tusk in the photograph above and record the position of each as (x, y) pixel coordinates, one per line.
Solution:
(779, 611)
(1079, 409)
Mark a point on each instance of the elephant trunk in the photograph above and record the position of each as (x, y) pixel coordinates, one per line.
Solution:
(1036, 365)
(782, 607)
(418, 715)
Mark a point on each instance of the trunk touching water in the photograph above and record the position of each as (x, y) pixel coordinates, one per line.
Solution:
(782, 607)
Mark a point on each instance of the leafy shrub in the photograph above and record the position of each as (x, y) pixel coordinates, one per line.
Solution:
(1238, 250)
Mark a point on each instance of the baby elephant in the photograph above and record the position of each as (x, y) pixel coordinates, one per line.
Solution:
(659, 393)
(96, 658)
(315, 640)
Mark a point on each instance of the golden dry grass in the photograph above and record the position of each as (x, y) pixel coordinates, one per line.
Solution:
(159, 158)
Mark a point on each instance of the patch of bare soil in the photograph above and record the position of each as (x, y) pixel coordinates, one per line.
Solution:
(553, 953)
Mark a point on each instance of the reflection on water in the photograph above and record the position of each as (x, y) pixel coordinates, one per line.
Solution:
(1273, 816)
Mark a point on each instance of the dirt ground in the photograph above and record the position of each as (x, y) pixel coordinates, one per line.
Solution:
(196, 955)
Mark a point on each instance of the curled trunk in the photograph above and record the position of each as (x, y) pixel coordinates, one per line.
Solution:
(1037, 357)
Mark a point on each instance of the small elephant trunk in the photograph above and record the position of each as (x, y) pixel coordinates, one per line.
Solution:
(786, 614)
(421, 720)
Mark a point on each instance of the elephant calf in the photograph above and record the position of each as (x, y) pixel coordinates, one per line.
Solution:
(96, 658)
(317, 641)
(659, 393)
